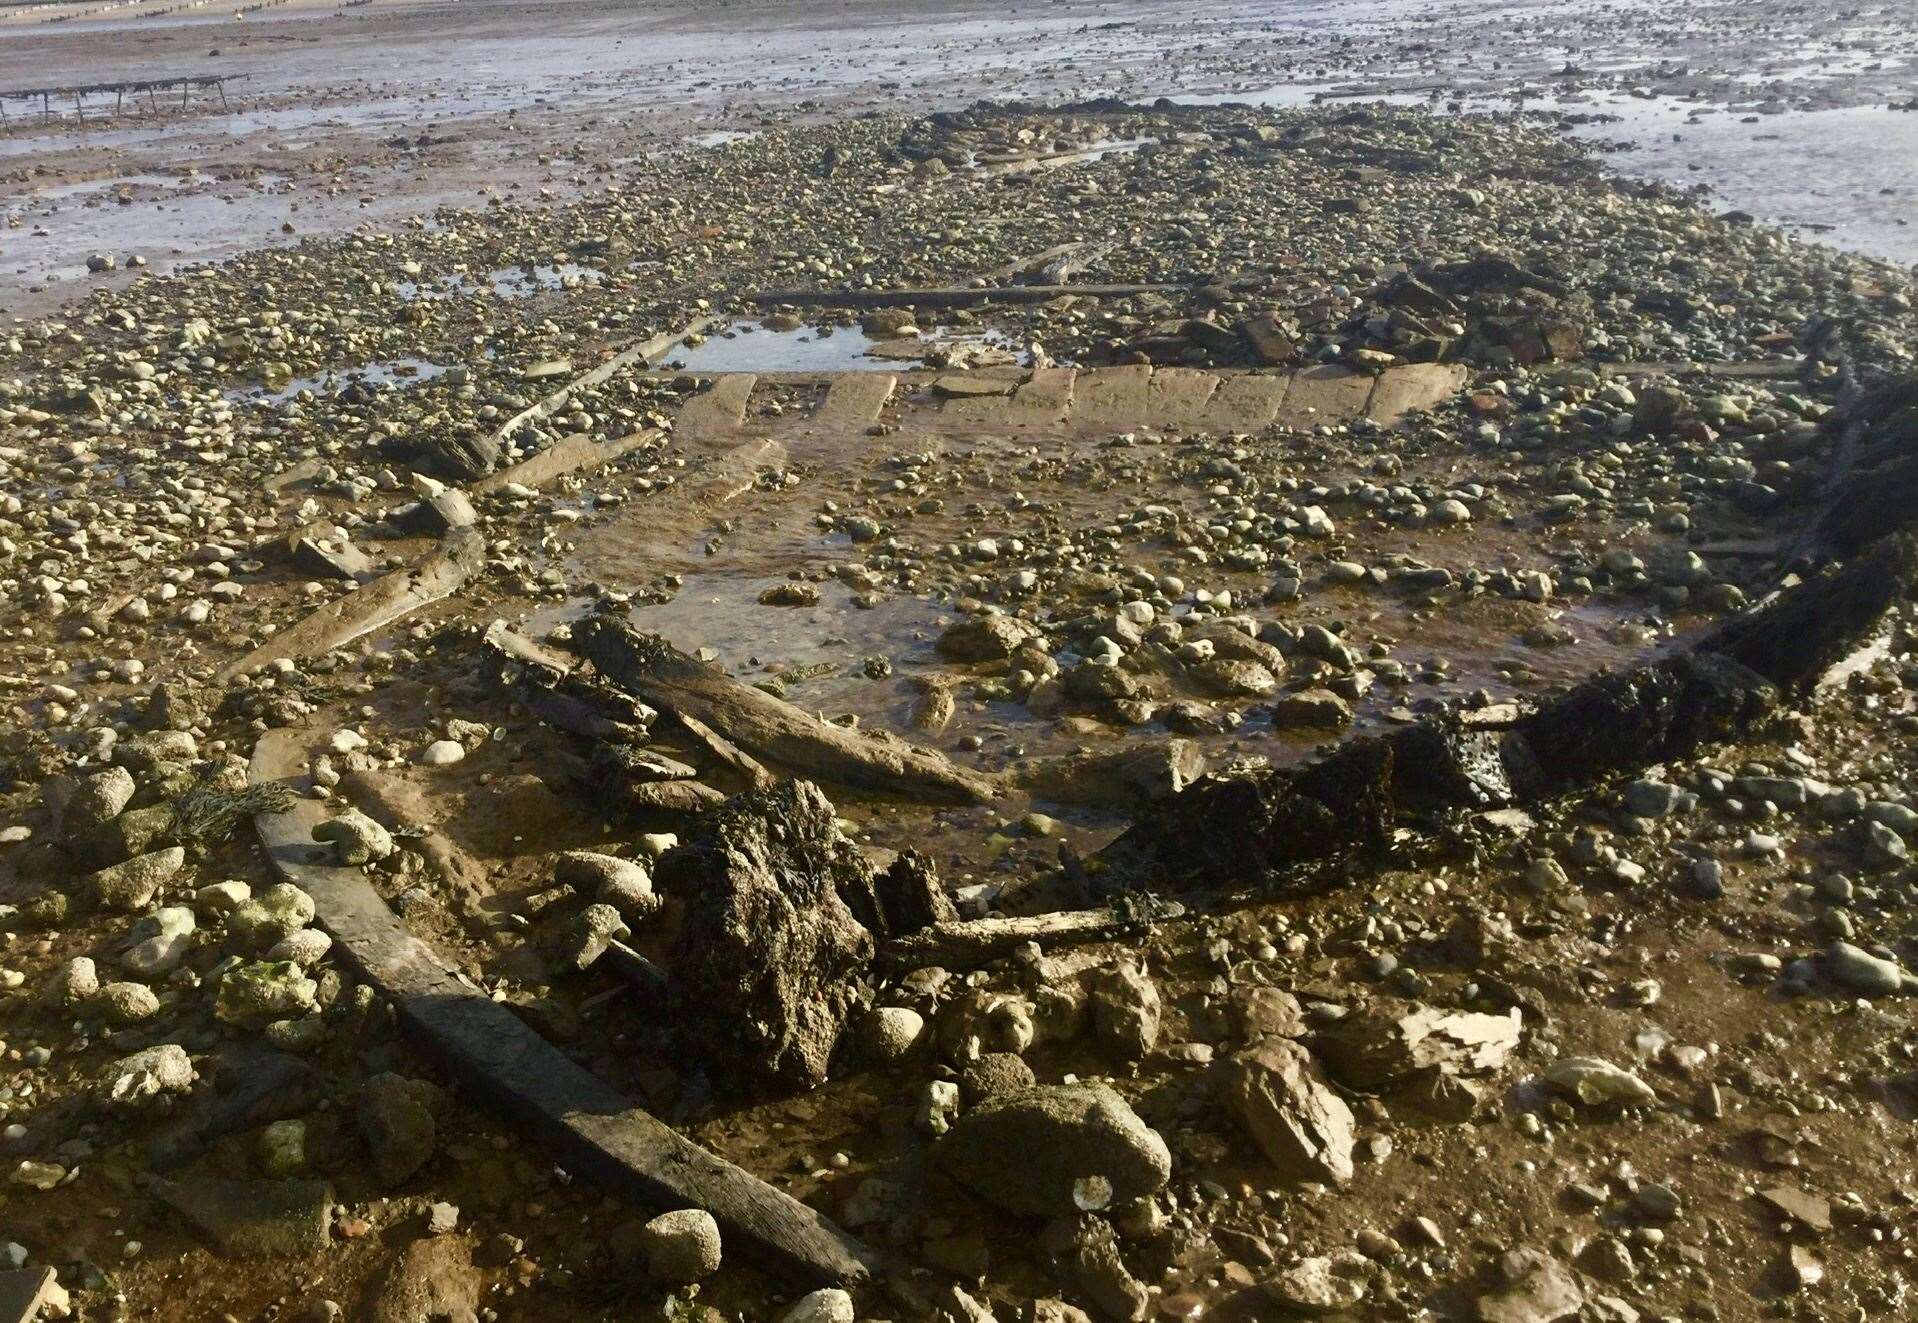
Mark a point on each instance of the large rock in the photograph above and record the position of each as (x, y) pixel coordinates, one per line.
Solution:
(984, 638)
(1536, 1289)
(770, 960)
(1079, 1147)
(128, 886)
(255, 1219)
(1273, 1089)
(396, 1119)
(1126, 1011)
(1391, 1044)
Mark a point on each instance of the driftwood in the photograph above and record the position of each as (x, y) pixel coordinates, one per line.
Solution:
(590, 1128)
(645, 353)
(1137, 774)
(569, 454)
(1292, 825)
(437, 575)
(953, 296)
(650, 668)
(970, 943)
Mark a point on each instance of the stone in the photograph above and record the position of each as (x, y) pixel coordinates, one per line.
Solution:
(126, 1003)
(160, 942)
(1126, 1011)
(1304, 1128)
(1866, 974)
(431, 1278)
(1808, 1210)
(826, 1305)
(161, 1072)
(1598, 1083)
(73, 983)
(1321, 1284)
(994, 1075)
(272, 916)
(282, 1148)
(396, 1118)
(442, 753)
(256, 991)
(1311, 709)
(219, 898)
(1087, 1252)
(1536, 1289)
(304, 948)
(130, 886)
(96, 801)
(624, 884)
(987, 637)
(1389, 1044)
(770, 960)
(585, 937)
(255, 1219)
(681, 1247)
(889, 1034)
(1082, 1146)
(356, 838)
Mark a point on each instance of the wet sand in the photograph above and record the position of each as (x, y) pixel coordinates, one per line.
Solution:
(385, 111)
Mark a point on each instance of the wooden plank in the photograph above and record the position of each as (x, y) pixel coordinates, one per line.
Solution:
(1327, 393)
(951, 296)
(435, 576)
(1245, 401)
(1176, 397)
(660, 675)
(26, 1291)
(645, 352)
(569, 454)
(591, 1129)
(855, 399)
(720, 409)
(1110, 399)
(1413, 386)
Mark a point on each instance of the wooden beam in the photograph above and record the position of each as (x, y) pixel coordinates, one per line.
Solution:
(953, 297)
(591, 1129)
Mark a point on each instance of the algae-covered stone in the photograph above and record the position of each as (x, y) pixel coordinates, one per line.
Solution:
(256, 991)
(130, 886)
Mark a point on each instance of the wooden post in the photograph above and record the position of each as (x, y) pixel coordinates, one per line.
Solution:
(220, 85)
(79, 109)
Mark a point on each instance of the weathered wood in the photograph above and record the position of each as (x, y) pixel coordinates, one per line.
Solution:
(569, 454)
(435, 576)
(590, 1128)
(661, 675)
(1296, 826)
(969, 943)
(952, 296)
(1135, 774)
(646, 352)
(724, 751)
(26, 1292)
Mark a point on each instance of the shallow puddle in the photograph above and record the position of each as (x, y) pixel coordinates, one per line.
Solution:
(748, 346)
(393, 372)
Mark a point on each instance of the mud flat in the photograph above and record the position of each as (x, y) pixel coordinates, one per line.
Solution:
(383, 113)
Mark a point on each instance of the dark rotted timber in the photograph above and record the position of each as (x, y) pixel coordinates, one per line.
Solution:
(1346, 807)
(589, 1126)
